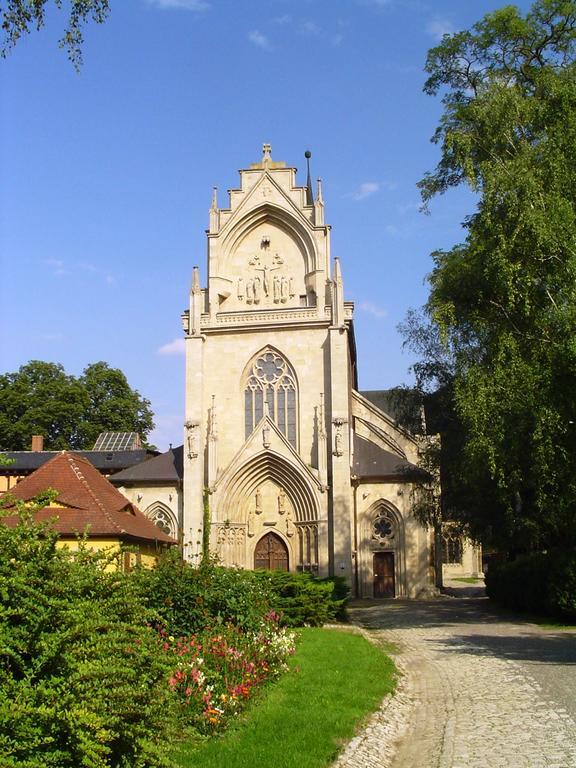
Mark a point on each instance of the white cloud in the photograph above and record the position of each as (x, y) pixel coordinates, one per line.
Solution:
(373, 309)
(310, 28)
(439, 27)
(259, 40)
(175, 347)
(366, 189)
(184, 5)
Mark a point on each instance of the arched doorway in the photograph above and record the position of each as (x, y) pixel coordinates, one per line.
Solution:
(271, 553)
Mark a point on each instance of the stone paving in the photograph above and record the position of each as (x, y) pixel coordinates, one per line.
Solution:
(480, 689)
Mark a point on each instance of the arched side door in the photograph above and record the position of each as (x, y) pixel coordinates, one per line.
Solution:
(271, 553)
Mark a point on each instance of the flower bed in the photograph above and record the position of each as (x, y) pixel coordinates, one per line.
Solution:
(218, 670)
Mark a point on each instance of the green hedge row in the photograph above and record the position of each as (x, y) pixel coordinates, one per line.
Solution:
(543, 583)
(185, 598)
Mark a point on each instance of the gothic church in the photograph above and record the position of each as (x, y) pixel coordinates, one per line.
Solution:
(301, 471)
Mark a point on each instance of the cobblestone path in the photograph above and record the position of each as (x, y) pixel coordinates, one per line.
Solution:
(480, 690)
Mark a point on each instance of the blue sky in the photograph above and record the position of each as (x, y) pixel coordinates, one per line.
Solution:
(106, 175)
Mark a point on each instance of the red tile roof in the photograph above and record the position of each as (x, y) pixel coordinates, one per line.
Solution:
(90, 503)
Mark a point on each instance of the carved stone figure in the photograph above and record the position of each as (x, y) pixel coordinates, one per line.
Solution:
(249, 291)
(284, 290)
(281, 502)
(192, 429)
(257, 290)
(258, 502)
(276, 289)
(240, 288)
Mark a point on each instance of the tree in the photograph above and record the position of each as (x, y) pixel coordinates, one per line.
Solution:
(504, 301)
(113, 405)
(19, 16)
(41, 398)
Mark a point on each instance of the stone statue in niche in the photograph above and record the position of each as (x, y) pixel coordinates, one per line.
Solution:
(266, 435)
(338, 437)
(258, 502)
(289, 524)
(192, 429)
(250, 526)
(249, 291)
(240, 288)
(281, 502)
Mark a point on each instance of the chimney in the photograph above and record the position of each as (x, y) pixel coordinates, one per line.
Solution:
(37, 443)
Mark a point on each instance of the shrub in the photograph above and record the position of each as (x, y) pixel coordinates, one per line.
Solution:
(542, 583)
(186, 599)
(83, 680)
(301, 599)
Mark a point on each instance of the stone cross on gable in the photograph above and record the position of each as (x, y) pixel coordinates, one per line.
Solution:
(266, 150)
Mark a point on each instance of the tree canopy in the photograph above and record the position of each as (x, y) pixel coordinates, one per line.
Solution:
(41, 398)
(503, 303)
(20, 16)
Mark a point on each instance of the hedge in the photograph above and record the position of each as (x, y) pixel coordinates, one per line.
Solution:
(542, 583)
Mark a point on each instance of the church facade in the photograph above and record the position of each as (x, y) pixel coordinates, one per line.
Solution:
(295, 467)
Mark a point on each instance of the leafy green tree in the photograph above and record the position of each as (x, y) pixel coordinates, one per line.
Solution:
(20, 16)
(41, 398)
(504, 301)
(113, 405)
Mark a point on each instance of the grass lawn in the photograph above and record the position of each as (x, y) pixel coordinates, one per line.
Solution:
(468, 580)
(335, 679)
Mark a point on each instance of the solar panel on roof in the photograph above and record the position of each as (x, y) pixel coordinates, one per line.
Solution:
(117, 441)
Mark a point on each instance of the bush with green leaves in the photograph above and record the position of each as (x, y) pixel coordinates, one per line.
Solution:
(187, 599)
(83, 679)
(543, 583)
(301, 599)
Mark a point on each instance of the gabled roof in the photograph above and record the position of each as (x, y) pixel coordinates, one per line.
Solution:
(167, 468)
(371, 461)
(86, 502)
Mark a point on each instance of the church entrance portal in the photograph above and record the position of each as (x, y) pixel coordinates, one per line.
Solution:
(384, 574)
(271, 553)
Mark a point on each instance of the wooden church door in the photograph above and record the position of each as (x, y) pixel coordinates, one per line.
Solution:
(384, 574)
(271, 553)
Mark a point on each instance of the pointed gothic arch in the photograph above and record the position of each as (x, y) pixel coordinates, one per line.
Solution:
(270, 379)
(271, 553)
(290, 222)
(253, 473)
(162, 516)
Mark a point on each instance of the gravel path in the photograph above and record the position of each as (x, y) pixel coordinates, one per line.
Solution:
(481, 689)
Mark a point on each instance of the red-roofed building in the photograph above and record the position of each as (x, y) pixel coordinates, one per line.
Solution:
(87, 504)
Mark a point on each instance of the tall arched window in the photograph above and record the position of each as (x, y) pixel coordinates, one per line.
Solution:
(270, 379)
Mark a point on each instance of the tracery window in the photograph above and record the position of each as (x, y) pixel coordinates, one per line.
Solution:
(271, 381)
(163, 518)
(452, 549)
(383, 528)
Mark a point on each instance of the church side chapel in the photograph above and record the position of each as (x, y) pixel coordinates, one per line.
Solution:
(302, 471)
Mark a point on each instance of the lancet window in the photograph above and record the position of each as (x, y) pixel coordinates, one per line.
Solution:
(271, 385)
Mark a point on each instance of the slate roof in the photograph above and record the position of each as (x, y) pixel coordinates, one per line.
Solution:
(25, 462)
(371, 461)
(403, 405)
(86, 501)
(167, 468)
